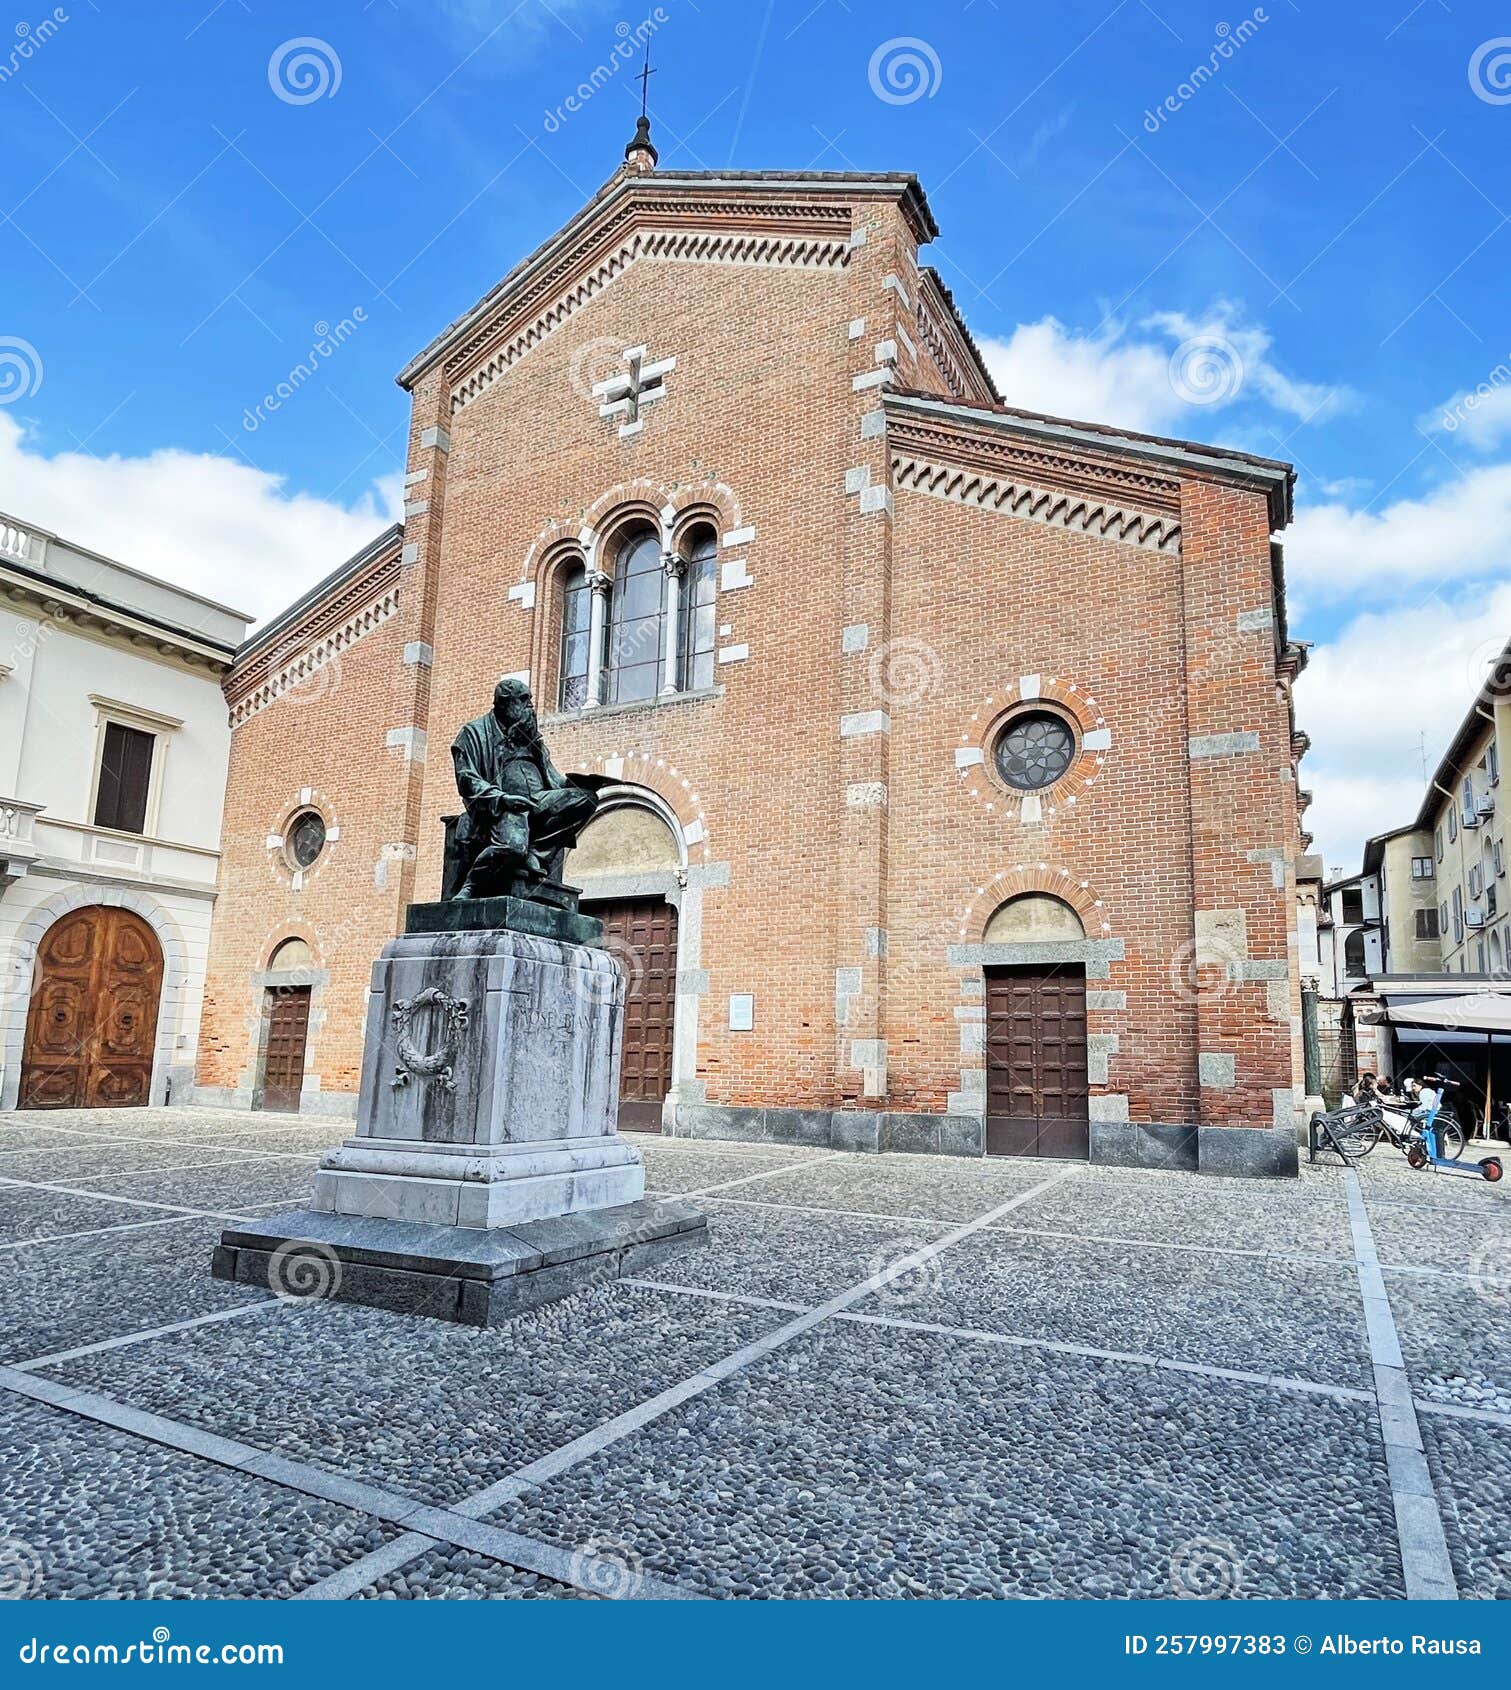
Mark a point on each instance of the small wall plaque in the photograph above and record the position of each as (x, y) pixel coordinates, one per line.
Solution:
(741, 1012)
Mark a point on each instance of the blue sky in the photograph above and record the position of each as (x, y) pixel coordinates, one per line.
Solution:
(1302, 253)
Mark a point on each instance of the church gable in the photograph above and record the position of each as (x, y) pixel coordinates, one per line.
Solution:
(804, 222)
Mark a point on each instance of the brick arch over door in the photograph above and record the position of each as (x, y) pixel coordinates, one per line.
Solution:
(667, 978)
(1052, 879)
(34, 928)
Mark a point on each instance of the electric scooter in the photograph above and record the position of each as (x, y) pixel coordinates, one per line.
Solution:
(1424, 1153)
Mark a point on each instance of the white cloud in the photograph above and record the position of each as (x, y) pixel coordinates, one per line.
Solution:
(1373, 693)
(1044, 366)
(1173, 379)
(214, 525)
(1458, 532)
(1259, 376)
(1478, 417)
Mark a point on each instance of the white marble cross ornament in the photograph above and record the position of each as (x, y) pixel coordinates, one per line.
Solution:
(626, 394)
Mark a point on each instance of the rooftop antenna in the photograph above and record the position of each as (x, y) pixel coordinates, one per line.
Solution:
(1422, 747)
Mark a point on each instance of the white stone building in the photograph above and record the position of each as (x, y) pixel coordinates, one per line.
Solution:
(113, 748)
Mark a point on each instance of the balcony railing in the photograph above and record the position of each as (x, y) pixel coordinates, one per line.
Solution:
(18, 837)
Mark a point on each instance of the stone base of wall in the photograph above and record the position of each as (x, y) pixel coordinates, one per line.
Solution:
(336, 1105)
(1259, 1152)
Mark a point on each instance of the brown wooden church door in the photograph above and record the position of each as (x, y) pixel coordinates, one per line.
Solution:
(643, 936)
(91, 1030)
(288, 1034)
(1036, 1078)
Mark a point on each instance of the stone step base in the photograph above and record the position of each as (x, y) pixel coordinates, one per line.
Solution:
(470, 1275)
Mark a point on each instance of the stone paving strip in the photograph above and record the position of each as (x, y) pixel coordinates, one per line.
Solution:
(177, 1209)
(56, 1358)
(892, 1218)
(225, 1155)
(761, 1173)
(1419, 1521)
(1461, 1411)
(125, 1226)
(59, 1295)
(621, 1426)
(91, 1512)
(433, 1525)
(1055, 1346)
(1042, 1232)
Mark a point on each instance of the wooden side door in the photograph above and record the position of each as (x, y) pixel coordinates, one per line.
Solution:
(91, 1029)
(288, 1034)
(1037, 1093)
(643, 935)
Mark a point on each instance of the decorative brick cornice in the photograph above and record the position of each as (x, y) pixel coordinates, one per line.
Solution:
(1108, 518)
(308, 660)
(791, 235)
(949, 344)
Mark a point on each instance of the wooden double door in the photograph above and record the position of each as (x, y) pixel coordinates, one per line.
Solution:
(91, 1028)
(642, 934)
(1036, 1076)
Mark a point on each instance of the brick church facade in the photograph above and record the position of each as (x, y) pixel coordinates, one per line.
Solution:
(952, 795)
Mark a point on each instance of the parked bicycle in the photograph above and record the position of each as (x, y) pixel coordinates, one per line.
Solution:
(1370, 1115)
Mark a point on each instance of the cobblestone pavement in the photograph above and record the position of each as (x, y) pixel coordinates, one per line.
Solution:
(886, 1376)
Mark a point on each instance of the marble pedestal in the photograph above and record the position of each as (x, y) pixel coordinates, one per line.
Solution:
(487, 1173)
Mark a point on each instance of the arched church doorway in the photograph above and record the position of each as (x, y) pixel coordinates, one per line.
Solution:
(286, 1011)
(91, 1028)
(1037, 1092)
(631, 849)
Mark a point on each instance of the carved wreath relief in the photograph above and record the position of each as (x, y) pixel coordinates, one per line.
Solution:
(435, 1064)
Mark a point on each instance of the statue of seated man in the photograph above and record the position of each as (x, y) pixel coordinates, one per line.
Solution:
(521, 810)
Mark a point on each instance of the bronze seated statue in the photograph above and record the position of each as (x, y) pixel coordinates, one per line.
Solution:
(522, 812)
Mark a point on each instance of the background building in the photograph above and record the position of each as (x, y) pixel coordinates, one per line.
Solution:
(1425, 922)
(1464, 820)
(952, 797)
(113, 749)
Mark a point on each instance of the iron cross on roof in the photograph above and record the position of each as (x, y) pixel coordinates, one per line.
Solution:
(626, 394)
(644, 79)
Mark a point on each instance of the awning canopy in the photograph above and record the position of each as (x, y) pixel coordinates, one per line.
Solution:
(1475, 1012)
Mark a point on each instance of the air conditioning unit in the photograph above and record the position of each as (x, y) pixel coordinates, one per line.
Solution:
(1474, 917)
(1470, 818)
(1484, 805)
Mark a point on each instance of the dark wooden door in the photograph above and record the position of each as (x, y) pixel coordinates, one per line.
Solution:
(643, 935)
(288, 1032)
(1036, 1087)
(91, 1029)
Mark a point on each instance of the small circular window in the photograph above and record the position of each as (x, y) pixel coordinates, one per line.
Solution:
(1034, 750)
(306, 838)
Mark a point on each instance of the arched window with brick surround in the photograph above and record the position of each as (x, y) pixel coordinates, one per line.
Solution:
(700, 586)
(635, 663)
(576, 621)
(643, 624)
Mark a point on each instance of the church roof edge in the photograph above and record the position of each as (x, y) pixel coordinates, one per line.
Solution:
(322, 589)
(1276, 477)
(937, 282)
(902, 185)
